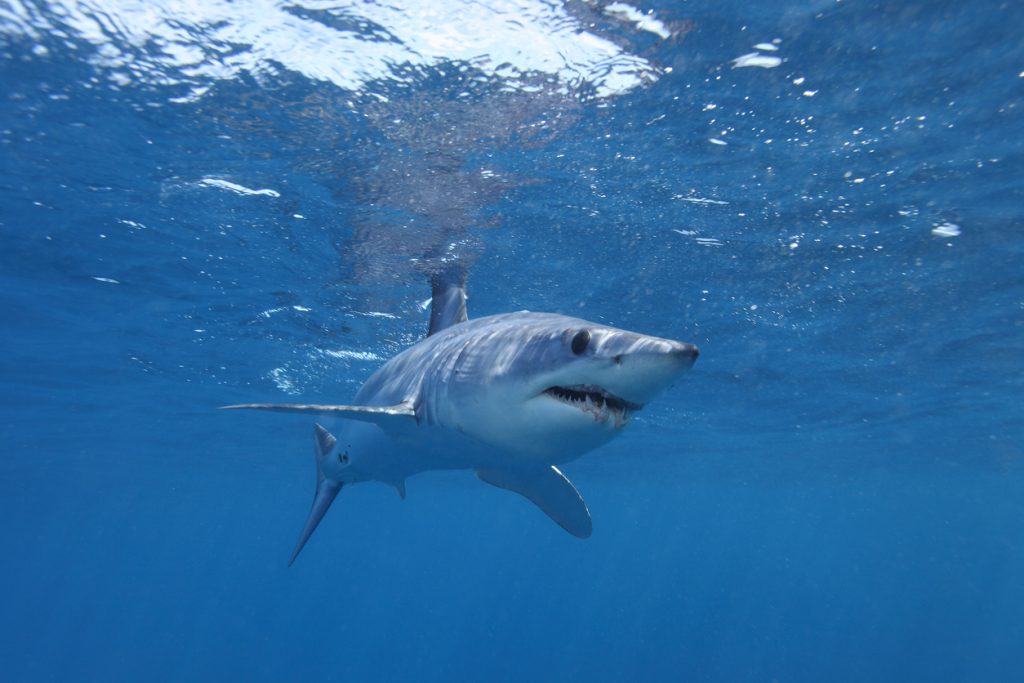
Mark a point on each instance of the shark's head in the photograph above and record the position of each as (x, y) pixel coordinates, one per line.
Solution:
(558, 386)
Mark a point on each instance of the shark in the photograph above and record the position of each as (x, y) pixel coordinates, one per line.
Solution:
(512, 397)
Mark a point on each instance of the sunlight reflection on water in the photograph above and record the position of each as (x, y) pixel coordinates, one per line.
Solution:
(196, 42)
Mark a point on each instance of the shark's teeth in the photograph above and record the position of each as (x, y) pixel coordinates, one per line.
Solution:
(595, 400)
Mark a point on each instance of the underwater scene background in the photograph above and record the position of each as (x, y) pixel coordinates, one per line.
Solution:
(205, 203)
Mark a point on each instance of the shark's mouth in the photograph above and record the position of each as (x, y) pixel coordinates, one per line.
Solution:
(602, 404)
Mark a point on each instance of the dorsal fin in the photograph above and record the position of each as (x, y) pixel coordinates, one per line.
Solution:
(448, 298)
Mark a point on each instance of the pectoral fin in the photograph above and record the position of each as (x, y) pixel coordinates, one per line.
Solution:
(549, 490)
(380, 415)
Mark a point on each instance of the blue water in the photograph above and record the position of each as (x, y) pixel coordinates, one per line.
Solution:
(233, 203)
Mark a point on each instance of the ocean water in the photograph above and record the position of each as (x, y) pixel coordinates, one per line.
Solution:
(211, 203)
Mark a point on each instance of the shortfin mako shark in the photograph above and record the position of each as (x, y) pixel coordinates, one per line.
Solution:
(511, 396)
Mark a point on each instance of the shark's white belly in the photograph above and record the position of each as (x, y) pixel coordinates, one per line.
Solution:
(396, 455)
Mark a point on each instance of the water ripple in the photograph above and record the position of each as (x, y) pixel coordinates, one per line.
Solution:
(195, 43)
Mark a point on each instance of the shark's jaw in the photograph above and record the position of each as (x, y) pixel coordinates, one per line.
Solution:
(602, 405)
(549, 388)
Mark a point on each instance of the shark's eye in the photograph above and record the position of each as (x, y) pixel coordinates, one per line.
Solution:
(343, 457)
(580, 341)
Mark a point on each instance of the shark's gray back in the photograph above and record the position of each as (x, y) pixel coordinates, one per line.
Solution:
(482, 348)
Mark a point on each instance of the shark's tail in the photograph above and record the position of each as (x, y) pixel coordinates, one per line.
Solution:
(326, 489)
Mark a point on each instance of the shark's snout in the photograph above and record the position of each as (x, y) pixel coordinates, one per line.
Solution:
(686, 353)
(657, 351)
